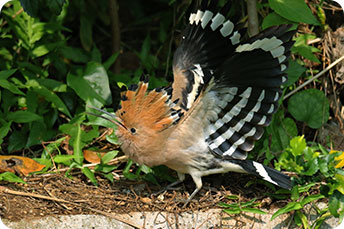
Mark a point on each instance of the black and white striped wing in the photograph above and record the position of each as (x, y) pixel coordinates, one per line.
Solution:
(246, 91)
(206, 43)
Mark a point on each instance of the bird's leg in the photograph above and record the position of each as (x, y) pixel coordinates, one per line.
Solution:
(181, 178)
(198, 181)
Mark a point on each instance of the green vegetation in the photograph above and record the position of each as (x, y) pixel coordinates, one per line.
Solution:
(60, 59)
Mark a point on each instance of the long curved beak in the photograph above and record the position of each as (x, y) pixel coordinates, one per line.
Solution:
(113, 118)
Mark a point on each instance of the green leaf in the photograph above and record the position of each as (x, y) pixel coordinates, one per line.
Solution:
(108, 176)
(93, 86)
(44, 49)
(110, 61)
(38, 133)
(49, 96)
(298, 145)
(109, 156)
(294, 10)
(17, 140)
(34, 8)
(11, 177)
(303, 219)
(11, 87)
(232, 197)
(286, 131)
(312, 167)
(336, 203)
(64, 159)
(112, 138)
(289, 207)
(6, 73)
(86, 24)
(310, 106)
(4, 129)
(90, 175)
(253, 210)
(23, 116)
(78, 155)
(232, 211)
(311, 198)
(274, 19)
(105, 168)
(77, 55)
(306, 51)
(295, 193)
(96, 76)
(294, 71)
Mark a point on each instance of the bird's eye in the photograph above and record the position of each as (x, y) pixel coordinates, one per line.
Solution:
(133, 130)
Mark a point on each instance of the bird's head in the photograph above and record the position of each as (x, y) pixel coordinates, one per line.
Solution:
(144, 117)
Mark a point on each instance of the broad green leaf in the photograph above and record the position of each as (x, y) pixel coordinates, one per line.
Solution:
(77, 55)
(112, 138)
(17, 140)
(11, 87)
(11, 177)
(90, 175)
(96, 76)
(49, 96)
(306, 51)
(44, 49)
(6, 73)
(64, 159)
(310, 106)
(109, 156)
(298, 145)
(294, 10)
(274, 19)
(289, 207)
(23, 116)
(109, 176)
(294, 71)
(286, 131)
(4, 129)
(53, 85)
(105, 168)
(312, 167)
(336, 203)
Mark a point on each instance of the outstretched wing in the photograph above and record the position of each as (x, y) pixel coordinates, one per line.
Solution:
(205, 45)
(241, 77)
(246, 91)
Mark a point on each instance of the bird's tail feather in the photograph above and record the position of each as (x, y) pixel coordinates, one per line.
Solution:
(269, 174)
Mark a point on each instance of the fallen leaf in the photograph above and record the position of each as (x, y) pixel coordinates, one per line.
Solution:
(20, 165)
(93, 156)
(146, 200)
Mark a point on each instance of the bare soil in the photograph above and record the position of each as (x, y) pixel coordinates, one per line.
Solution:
(55, 194)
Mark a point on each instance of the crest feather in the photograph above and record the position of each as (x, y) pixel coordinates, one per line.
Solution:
(153, 110)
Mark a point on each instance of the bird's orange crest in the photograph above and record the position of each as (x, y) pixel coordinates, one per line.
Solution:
(153, 109)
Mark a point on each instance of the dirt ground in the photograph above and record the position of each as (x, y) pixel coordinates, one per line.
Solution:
(55, 194)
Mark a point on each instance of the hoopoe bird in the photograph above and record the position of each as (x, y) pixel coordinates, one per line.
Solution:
(224, 93)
